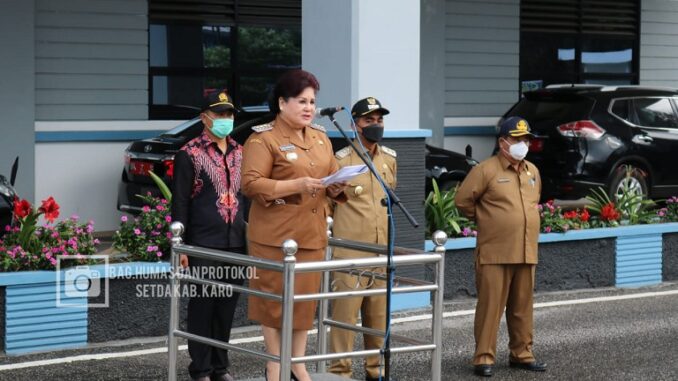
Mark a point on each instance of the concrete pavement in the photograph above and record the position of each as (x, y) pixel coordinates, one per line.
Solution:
(615, 334)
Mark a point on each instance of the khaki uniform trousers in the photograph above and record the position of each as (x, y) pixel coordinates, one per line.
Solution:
(499, 286)
(373, 315)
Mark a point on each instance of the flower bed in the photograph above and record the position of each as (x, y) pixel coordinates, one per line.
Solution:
(625, 256)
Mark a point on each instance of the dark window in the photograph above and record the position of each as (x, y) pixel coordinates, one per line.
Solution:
(240, 45)
(579, 41)
(620, 108)
(655, 112)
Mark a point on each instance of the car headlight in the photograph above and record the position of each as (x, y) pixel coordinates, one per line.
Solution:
(5, 190)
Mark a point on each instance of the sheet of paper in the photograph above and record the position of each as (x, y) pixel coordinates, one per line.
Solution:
(345, 174)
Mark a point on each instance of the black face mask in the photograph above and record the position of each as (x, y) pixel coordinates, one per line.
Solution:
(373, 133)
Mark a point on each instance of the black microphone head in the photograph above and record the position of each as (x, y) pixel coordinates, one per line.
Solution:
(327, 111)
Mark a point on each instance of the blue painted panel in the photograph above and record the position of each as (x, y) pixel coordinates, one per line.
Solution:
(37, 348)
(28, 345)
(33, 320)
(471, 131)
(410, 300)
(44, 333)
(574, 235)
(53, 325)
(80, 315)
(639, 259)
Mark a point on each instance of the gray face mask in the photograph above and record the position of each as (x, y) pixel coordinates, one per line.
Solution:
(373, 133)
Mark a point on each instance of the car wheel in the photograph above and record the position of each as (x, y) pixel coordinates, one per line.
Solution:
(632, 178)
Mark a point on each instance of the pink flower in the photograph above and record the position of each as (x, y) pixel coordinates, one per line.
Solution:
(137, 231)
(146, 209)
(151, 249)
(466, 232)
(55, 235)
(475, 233)
(168, 219)
(160, 208)
(90, 228)
(9, 228)
(75, 217)
(159, 254)
(547, 229)
(123, 218)
(53, 261)
(96, 241)
(163, 201)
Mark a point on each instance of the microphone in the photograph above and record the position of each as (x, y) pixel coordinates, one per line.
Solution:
(327, 111)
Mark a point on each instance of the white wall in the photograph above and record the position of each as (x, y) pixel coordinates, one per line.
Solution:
(82, 178)
(482, 145)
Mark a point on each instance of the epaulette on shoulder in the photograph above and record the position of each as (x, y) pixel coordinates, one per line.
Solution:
(262, 128)
(342, 153)
(389, 151)
(318, 127)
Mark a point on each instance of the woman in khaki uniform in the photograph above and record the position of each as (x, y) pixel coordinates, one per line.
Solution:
(283, 163)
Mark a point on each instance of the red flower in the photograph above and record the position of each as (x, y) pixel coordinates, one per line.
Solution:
(585, 215)
(22, 208)
(169, 168)
(570, 215)
(50, 208)
(609, 213)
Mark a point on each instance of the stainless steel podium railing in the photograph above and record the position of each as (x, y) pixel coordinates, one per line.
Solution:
(288, 267)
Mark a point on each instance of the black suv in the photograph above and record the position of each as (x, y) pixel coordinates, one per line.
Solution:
(608, 136)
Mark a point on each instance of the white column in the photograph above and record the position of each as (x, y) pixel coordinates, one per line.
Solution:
(362, 48)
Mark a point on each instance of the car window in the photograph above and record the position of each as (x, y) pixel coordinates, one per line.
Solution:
(538, 110)
(655, 112)
(620, 108)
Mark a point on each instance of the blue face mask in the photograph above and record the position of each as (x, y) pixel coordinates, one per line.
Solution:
(221, 128)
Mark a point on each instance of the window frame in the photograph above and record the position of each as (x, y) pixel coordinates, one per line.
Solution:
(232, 74)
(673, 102)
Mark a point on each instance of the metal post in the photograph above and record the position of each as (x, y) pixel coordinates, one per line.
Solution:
(177, 229)
(439, 238)
(323, 304)
(290, 248)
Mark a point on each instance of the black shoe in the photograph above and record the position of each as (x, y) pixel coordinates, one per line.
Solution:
(533, 366)
(483, 370)
(222, 377)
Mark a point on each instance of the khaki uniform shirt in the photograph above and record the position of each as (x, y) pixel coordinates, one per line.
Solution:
(503, 203)
(273, 153)
(363, 217)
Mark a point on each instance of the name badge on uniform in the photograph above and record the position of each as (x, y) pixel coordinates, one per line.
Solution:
(503, 180)
(291, 156)
(287, 148)
(533, 181)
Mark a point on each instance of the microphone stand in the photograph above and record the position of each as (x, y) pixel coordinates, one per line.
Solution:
(393, 199)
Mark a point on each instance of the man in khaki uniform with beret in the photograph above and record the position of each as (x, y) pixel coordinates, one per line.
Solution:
(501, 194)
(362, 218)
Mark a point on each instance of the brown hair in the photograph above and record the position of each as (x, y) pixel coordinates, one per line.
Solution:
(291, 84)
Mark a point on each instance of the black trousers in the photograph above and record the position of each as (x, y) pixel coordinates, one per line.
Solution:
(210, 314)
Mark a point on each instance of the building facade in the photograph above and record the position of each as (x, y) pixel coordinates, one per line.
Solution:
(80, 79)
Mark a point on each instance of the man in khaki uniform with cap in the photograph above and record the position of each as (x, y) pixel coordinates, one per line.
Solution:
(362, 218)
(502, 194)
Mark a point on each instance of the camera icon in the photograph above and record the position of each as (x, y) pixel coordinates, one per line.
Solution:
(81, 281)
